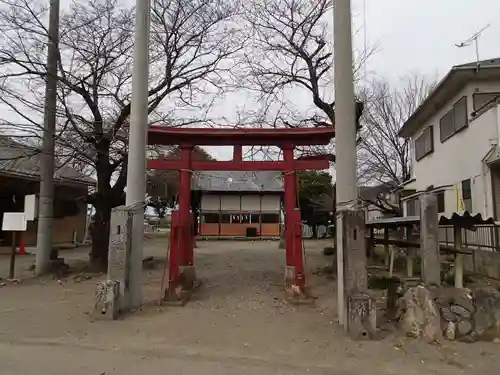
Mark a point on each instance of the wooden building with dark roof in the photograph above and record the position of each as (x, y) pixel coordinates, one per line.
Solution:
(239, 204)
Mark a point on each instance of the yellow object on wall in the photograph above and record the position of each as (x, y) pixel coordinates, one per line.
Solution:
(460, 200)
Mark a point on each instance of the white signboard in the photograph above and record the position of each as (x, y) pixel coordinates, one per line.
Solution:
(30, 207)
(14, 222)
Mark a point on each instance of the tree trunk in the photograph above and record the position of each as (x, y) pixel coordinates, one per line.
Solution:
(100, 236)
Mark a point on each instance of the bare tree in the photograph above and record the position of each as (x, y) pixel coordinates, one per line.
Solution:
(194, 45)
(293, 69)
(384, 157)
(163, 186)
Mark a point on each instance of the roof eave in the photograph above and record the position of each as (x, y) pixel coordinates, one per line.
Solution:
(411, 125)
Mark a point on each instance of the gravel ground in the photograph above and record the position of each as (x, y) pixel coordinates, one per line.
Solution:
(237, 323)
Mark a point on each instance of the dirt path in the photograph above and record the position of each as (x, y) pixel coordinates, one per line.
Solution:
(237, 323)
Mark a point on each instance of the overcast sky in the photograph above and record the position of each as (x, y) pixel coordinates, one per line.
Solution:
(419, 36)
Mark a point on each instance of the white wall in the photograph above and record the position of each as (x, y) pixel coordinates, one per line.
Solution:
(210, 203)
(271, 203)
(460, 156)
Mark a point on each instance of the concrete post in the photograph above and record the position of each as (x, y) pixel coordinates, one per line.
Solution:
(360, 308)
(345, 137)
(409, 253)
(136, 168)
(459, 258)
(46, 200)
(429, 231)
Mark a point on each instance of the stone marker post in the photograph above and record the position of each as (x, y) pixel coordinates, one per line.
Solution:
(113, 295)
(429, 241)
(361, 309)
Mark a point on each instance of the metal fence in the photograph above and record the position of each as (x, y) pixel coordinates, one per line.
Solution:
(484, 237)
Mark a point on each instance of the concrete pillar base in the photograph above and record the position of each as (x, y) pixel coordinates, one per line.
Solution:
(361, 316)
(296, 293)
(107, 306)
(281, 244)
(188, 277)
(180, 291)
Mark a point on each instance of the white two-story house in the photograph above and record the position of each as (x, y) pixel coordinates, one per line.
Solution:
(455, 137)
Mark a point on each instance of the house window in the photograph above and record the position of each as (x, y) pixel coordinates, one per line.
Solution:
(440, 201)
(413, 207)
(482, 100)
(424, 144)
(211, 218)
(467, 195)
(454, 120)
(270, 218)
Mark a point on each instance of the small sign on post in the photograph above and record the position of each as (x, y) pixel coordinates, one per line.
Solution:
(13, 222)
(30, 207)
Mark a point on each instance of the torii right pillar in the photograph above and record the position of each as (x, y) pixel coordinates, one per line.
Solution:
(356, 310)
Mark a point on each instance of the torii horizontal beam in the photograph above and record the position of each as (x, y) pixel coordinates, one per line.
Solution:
(162, 135)
(232, 165)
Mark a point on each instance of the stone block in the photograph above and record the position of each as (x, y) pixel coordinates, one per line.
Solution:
(120, 248)
(421, 318)
(361, 317)
(107, 296)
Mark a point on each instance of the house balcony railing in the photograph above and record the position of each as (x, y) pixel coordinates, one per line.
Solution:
(484, 237)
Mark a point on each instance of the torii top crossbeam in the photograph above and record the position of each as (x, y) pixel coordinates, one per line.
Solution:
(161, 135)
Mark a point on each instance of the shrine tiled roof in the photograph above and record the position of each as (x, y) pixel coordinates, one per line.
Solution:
(257, 181)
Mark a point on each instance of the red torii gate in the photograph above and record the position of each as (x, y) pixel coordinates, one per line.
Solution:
(182, 233)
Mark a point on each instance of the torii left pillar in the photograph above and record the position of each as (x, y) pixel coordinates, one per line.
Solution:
(294, 271)
(182, 275)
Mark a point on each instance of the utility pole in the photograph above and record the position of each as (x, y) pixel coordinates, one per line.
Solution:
(345, 137)
(46, 198)
(136, 166)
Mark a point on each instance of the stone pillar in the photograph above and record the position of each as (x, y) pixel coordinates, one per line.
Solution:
(360, 309)
(355, 262)
(114, 295)
(429, 244)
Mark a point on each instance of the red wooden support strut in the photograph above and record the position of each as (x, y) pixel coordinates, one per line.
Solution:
(174, 256)
(237, 153)
(290, 203)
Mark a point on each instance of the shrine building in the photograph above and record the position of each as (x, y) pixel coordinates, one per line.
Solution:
(239, 204)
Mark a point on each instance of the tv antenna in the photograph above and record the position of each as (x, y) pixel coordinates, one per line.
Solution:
(473, 39)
